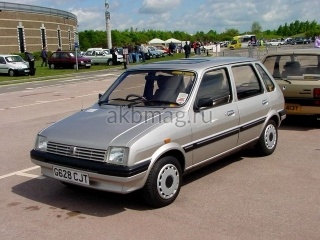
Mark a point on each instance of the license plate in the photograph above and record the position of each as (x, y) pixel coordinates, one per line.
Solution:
(70, 175)
(88, 65)
(293, 108)
(27, 70)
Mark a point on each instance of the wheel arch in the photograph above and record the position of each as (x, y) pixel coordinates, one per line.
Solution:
(173, 150)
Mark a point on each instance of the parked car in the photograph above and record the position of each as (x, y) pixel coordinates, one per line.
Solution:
(297, 72)
(154, 53)
(159, 121)
(300, 40)
(275, 42)
(162, 49)
(13, 65)
(66, 59)
(102, 57)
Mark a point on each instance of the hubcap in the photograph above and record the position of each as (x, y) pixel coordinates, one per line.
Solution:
(270, 136)
(168, 181)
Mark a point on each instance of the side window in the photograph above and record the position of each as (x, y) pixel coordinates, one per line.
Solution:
(215, 86)
(247, 82)
(54, 55)
(2, 61)
(266, 79)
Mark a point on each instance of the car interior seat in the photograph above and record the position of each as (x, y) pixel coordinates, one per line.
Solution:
(291, 69)
(169, 88)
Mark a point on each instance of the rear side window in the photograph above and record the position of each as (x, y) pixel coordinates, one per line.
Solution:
(2, 60)
(266, 79)
(247, 82)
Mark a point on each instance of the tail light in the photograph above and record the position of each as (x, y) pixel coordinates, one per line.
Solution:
(316, 92)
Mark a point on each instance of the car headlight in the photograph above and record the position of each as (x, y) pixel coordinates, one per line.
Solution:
(117, 155)
(41, 143)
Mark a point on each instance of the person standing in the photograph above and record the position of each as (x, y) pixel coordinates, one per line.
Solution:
(171, 48)
(44, 56)
(130, 52)
(187, 50)
(30, 60)
(143, 51)
(317, 42)
(114, 55)
(137, 52)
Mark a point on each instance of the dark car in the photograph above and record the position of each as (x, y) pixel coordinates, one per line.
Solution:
(65, 59)
(300, 41)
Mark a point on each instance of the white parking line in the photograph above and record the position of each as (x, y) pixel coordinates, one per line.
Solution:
(30, 175)
(20, 172)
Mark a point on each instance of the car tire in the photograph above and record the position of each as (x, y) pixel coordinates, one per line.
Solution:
(11, 73)
(75, 66)
(268, 140)
(51, 66)
(110, 62)
(164, 182)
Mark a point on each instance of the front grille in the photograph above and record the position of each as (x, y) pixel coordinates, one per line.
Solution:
(77, 152)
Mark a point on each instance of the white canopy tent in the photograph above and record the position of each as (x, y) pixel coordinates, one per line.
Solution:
(173, 40)
(156, 41)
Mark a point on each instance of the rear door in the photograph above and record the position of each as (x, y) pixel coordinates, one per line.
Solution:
(252, 101)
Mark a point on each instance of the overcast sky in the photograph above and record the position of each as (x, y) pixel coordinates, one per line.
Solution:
(185, 15)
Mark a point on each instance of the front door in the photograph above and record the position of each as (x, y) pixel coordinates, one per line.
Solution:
(214, 128)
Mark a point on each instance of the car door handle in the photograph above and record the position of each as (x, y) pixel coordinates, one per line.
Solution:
(230, 113)
(264, 102)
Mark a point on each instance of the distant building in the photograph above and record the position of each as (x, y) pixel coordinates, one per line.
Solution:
(30, 28)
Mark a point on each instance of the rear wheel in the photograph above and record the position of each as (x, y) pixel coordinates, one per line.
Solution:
(268, 140)
(74, 66)
(11, 73)
(163, 183)
(51, 66)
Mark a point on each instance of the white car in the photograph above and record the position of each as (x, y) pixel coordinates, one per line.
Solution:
(275, 42)
(102, 57)
(13, 65)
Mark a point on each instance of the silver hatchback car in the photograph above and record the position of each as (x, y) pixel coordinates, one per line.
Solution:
(13, 65)
(159, 121)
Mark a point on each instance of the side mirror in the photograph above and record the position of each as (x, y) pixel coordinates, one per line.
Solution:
(202, 102)
(99, 96)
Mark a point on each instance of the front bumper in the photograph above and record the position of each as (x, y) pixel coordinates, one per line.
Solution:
(23, 71)
(102, 176)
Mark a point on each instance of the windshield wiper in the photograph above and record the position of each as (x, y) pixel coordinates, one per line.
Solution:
(162, 101)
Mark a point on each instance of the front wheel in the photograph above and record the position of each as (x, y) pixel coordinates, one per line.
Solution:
(268, 140)
(11, 73)
(163, 183)
(109, 62)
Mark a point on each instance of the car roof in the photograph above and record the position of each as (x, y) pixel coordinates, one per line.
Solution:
(193, 63)
(308, 51)
(8, 55)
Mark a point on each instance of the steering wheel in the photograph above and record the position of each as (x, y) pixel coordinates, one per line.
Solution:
(136, 97)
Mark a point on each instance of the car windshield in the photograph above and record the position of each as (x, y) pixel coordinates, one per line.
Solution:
(73, 54)
(294, 66)
(16, 58)
(150, 88)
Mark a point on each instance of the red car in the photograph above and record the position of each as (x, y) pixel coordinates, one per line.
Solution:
(65, 59)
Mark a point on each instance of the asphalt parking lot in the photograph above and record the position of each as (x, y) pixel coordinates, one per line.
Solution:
(241, 197)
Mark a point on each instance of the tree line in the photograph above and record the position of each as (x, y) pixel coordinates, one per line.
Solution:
(95, 38)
